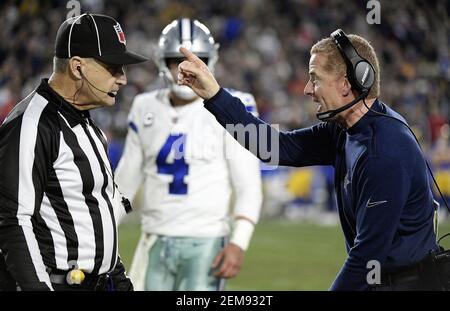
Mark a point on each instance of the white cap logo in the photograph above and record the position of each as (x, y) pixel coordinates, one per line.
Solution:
(120, 34)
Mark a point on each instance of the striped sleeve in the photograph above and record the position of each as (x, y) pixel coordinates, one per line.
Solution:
(26, 148)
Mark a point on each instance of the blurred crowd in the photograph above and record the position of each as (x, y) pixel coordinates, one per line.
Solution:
(264, 49)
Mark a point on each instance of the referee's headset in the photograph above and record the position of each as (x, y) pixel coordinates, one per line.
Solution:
(361, 75)
(110, 94)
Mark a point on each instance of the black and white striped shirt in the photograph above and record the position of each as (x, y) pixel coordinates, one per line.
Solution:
(57, 195)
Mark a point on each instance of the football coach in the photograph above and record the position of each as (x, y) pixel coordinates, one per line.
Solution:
(382, 184)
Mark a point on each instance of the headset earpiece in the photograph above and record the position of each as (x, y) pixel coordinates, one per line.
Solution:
(364, 74)
(360, 71)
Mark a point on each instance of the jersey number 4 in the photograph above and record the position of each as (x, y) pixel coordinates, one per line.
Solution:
(178, 168)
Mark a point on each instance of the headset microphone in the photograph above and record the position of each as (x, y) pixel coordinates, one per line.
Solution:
(110, 94)
(327, 115)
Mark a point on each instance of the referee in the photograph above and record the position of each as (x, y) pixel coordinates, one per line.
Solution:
(57, 193)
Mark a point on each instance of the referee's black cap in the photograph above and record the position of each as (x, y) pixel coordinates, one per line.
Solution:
(94, 35)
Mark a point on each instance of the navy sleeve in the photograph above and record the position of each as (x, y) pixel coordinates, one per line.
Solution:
(310, 146)
(382, 186)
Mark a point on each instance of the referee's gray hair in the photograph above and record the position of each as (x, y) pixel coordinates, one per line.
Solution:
(60, 64)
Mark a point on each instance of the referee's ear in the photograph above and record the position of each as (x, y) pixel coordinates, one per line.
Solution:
(76, 65)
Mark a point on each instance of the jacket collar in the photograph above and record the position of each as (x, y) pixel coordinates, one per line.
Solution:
(73, 115)
(367, 118)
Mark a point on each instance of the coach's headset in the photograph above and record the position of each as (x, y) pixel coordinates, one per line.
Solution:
(360, 72)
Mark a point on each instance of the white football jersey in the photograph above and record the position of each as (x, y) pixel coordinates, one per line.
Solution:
(190, 166)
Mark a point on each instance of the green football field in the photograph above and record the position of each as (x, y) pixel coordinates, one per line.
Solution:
(282, 256)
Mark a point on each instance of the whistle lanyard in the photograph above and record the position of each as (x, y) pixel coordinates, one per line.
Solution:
(125, 202)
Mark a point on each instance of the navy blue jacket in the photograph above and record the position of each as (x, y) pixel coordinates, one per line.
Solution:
(382, 185)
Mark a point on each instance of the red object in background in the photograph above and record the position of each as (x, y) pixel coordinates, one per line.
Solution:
(296, 87)
(435, 122)
(5, 109)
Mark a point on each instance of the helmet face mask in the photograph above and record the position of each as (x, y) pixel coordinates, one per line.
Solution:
(178, 60)
(192, 35)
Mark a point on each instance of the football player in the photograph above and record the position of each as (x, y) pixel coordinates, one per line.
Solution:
(193, 234)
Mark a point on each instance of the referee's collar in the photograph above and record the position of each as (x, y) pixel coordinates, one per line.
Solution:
(73, 115)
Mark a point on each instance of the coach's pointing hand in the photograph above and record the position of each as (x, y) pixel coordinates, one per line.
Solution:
(194, 73)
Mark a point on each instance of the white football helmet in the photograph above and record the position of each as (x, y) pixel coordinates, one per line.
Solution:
(195, 37)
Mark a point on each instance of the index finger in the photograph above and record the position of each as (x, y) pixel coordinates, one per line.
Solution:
(190, 56)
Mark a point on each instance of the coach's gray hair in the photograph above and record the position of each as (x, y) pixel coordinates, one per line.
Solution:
(60, 64)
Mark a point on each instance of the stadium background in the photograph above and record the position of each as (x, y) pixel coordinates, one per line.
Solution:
(264, 49)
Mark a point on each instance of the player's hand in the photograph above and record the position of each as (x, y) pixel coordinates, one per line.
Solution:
(229, 261)
(194, 73)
